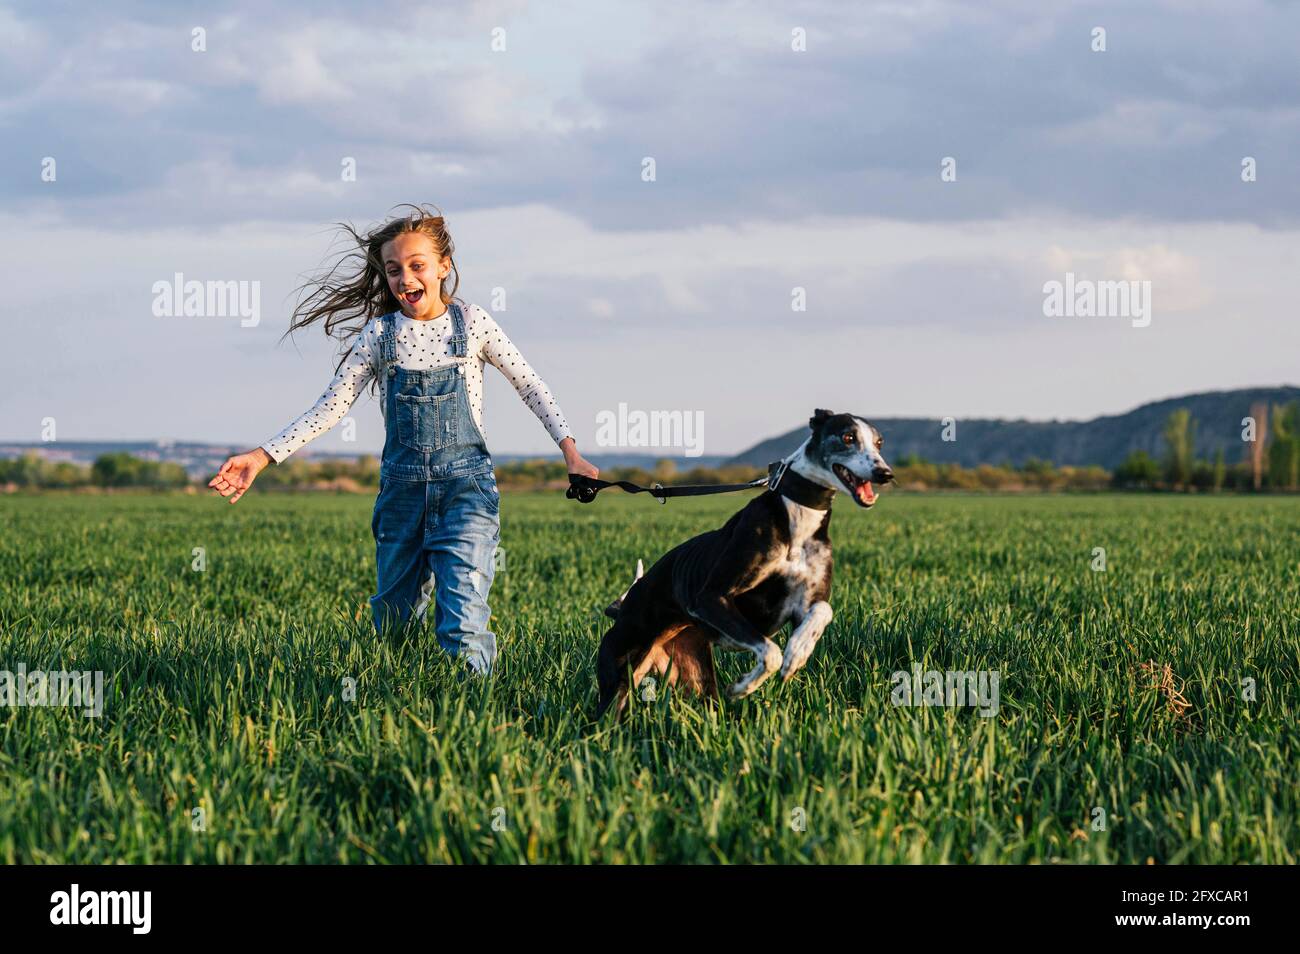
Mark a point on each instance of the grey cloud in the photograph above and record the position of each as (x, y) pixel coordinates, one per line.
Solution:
(740, 126)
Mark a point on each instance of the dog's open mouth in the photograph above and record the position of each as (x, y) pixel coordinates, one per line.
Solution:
(412, 297)
(860, 490)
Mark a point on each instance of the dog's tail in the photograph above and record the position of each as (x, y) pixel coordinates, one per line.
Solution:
(612, 609)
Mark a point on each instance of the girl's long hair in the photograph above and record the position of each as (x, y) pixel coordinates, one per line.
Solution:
(355, 288)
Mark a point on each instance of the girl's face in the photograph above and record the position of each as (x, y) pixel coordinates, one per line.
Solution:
(415, 274)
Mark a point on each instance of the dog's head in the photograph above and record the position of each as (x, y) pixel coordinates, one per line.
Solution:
(843, 453)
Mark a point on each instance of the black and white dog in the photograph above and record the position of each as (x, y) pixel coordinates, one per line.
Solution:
(768, 565)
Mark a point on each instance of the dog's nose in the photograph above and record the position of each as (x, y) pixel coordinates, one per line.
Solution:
(881, 475)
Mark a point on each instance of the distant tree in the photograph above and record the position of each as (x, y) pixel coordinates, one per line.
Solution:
(1284, 454)
(122, 470)
(1180, 439)
(115, 470)
(27, 470)
(1239, 476)
(1202, 475)
(1220, 470)
(1138, 469)
(1255, 450)
(165, 474)
(915, 472)
(1038, 468)
(67, 474)
(665, 469)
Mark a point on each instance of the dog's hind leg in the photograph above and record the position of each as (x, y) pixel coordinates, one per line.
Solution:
(628, 644)
(611, 683)
(804, 638)
(690, 655)
(657, 658)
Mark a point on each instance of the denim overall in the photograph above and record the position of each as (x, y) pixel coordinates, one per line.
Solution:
(436, 517)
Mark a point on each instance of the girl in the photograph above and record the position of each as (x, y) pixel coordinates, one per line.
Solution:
(436, 521)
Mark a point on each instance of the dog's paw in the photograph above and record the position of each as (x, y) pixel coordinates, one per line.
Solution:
(796, 654)
(750, 683)
(769, 664)
(804, 639)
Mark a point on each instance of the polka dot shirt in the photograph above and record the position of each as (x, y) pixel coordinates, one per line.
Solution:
(422, 345)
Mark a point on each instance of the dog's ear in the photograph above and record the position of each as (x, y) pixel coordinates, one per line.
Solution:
(819, 417)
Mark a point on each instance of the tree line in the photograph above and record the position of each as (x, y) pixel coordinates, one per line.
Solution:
(1271, 461)
(1271, 456)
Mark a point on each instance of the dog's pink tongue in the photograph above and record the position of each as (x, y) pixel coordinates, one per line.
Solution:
(866, 493)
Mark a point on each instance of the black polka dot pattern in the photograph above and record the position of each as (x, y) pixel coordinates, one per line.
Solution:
(423, 345)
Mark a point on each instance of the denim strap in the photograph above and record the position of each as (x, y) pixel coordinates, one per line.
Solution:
(456, 346)
(387, 345)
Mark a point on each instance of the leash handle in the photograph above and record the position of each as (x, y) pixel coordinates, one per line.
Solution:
(580, 488)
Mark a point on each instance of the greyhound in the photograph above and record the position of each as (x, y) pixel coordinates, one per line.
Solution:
(734, 587)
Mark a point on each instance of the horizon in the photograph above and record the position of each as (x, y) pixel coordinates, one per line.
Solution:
(657, 453)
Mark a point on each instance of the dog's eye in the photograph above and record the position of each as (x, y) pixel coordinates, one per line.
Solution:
(849, 438)
(880, 442)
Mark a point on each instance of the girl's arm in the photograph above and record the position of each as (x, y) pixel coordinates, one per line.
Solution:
(500, 351)
(238, 473)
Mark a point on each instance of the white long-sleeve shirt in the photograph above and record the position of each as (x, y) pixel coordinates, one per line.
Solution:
(423, 345)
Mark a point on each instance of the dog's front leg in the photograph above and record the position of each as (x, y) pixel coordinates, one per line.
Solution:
(720, 613)
(804, 639)
(737, 567)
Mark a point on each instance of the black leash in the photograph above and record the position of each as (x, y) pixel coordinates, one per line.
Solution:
(584, 489)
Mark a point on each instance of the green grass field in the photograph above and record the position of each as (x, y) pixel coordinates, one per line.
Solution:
(225, 691)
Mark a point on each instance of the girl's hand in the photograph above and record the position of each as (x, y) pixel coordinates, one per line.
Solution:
(575, 462)
(237, 474)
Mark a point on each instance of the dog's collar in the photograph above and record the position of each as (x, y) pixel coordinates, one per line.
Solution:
(799, 488)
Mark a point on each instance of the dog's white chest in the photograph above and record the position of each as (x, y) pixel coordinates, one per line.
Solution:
(805, 559)
(804, 522)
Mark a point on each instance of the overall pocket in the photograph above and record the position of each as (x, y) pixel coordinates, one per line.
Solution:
(426, 422)
(486, 485)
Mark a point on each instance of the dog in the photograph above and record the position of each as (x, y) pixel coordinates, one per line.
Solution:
(736, 586)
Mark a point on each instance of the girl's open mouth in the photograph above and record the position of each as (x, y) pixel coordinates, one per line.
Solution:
(412, 297)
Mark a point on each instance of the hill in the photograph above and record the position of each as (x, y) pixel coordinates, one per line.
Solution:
(1103, 441)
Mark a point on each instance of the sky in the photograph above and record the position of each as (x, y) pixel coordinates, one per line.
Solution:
(803, 242)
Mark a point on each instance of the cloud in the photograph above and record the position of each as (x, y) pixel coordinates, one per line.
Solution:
(741, 125)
